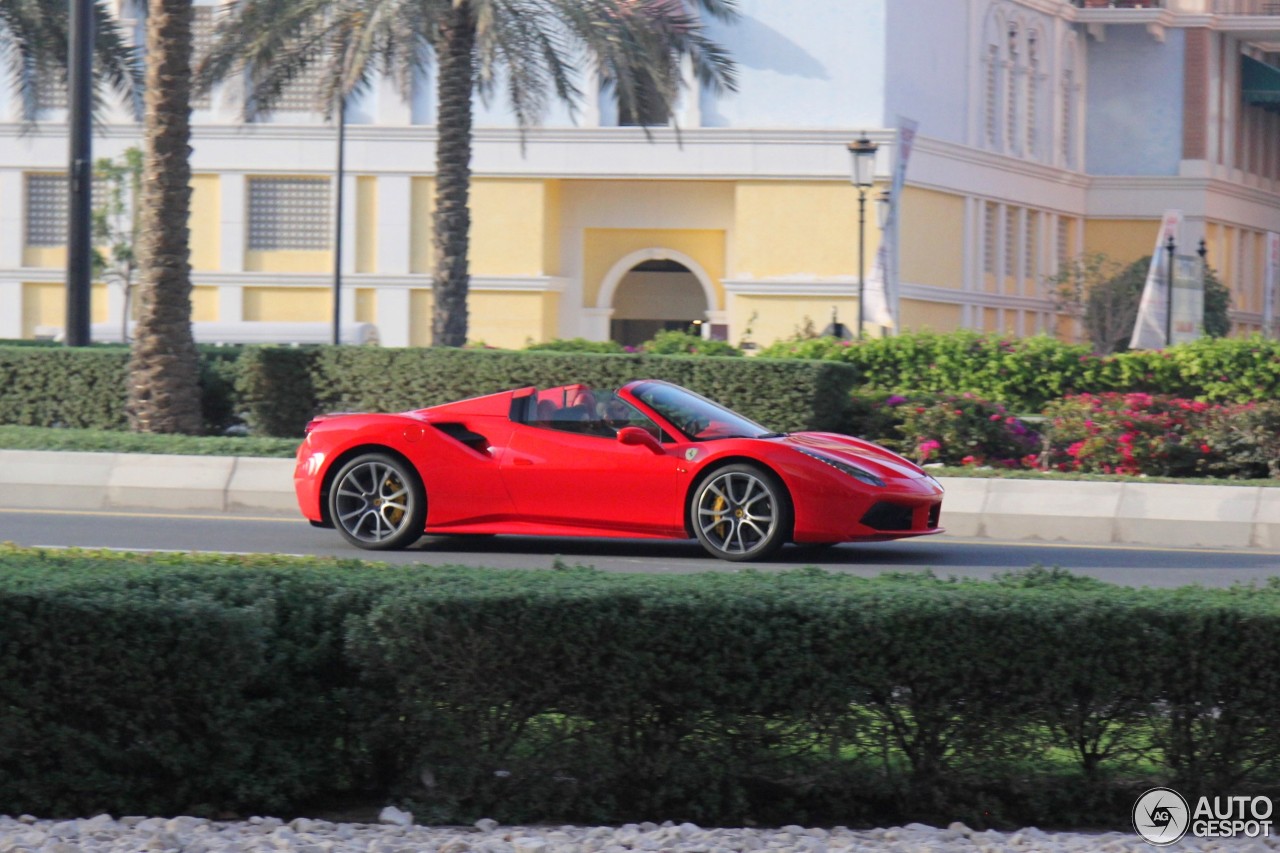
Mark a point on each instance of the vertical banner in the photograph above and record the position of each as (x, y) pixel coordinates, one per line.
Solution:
(1271, 287)
(1153, 310)
(881, 289)
(1188, 298)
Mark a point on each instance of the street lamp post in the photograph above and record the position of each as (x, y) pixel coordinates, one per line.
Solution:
(337, 219)
(863, 151)
(1170, 247)
(80, 185)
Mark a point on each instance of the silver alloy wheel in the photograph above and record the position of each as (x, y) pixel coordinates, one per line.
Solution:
(738, 514)
(372, 502)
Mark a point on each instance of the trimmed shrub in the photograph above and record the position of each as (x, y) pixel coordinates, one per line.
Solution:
(674, 342)
(576, 345)
(60, 386)
(282, 388)
(275, 389)
(179, 684)
(86, 387)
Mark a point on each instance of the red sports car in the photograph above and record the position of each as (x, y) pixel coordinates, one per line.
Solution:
(650, 459)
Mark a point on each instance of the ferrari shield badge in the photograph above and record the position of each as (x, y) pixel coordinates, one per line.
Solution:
(691, 454)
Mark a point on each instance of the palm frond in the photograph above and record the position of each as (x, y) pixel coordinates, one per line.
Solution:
(33, 44)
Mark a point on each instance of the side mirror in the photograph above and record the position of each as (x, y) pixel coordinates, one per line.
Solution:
(637, 437)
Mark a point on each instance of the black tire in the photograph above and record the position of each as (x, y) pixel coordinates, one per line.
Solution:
(378, 503)
(741, 512)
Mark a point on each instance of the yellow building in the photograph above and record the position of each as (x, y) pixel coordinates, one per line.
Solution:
(1047, 128)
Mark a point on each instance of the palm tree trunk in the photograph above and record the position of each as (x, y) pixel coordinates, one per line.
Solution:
(452, 222)
(164, 377)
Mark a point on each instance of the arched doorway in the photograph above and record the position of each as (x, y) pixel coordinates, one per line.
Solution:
(656, 290)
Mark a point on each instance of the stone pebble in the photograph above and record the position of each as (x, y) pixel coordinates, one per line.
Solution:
(396, 833)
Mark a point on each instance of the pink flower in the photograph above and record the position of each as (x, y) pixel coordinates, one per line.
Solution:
(1204, 448)
(994, 418)
(969, 460)
(926, 448)
(1074, 450)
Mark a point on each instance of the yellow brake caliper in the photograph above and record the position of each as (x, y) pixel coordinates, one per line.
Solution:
(393, 485)
(718, 508)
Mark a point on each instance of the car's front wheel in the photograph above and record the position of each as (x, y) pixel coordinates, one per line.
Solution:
(377, 502)
(741, 512)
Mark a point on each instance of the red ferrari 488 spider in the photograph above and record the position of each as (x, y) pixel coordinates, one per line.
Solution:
(650, 459)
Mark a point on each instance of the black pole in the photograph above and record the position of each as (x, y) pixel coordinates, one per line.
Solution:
(1169, 247)
(337, 236)
(80, 172)
(862, 240)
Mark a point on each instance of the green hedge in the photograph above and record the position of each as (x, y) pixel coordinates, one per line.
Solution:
(794, 385)
(1026, 373)
(282, 388)
(86, 388)
(276, 390)
(178, 684)
(57, 386)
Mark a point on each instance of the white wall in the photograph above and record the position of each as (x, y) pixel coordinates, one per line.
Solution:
(930, 51)
(809, 64)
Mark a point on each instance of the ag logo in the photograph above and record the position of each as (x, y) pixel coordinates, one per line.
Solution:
(1161, 816)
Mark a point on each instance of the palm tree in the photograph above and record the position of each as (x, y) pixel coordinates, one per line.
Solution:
(529, 47)
(163, 366)
(33, 41)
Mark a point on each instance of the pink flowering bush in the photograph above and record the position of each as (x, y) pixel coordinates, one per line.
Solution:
(1126, 434)
(951, 429)
(1242, 441)
(1134, 434)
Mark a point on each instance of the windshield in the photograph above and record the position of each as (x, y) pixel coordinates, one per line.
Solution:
(695, 415)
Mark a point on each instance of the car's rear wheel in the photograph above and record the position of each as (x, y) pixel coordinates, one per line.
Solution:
(741, 512)
(377, 502)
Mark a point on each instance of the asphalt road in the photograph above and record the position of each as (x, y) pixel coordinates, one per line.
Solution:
(980, 558)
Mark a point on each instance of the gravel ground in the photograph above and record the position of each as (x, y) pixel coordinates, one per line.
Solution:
(104, 834)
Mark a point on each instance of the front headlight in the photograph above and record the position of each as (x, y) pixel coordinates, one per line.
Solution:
(860, 474)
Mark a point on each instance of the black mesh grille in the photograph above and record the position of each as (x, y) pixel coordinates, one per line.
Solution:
(888, 516)
(934, 512)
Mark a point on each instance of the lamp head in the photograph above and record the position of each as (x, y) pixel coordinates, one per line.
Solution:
(863, 151)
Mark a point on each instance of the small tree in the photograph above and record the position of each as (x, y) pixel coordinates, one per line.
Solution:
(1217, 305)
(1106, 296)
(115, 225)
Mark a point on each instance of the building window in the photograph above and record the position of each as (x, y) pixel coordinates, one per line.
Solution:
(992, 95)
(1068, 116)
(46, 210)
(304, 93)
(202, 37)
(50, 88)
(1033, 84)
(1011, 242)
(989, 238)
(289, 213)
(47, 200)
(1031, 245)
(1011, 101)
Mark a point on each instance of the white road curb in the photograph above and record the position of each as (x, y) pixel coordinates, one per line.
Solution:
(1137, 513)
(1067, 511)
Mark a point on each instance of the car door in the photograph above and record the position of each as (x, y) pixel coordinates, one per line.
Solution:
(577, 474)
